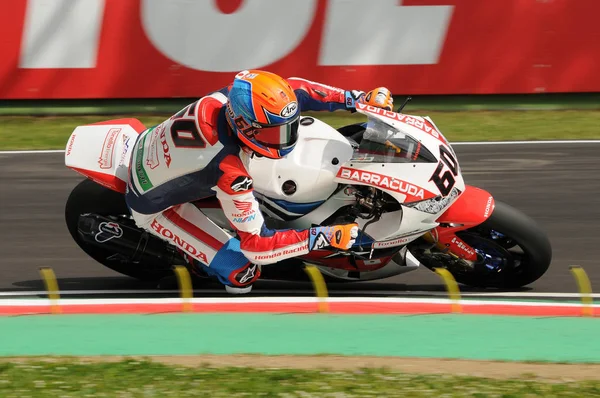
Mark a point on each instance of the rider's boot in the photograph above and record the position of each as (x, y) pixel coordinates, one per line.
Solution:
(238, 290)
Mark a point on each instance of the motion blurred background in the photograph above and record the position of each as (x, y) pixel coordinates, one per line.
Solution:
(108, 49)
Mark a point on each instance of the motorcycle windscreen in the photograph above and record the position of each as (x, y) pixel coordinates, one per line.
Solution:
(382, 144)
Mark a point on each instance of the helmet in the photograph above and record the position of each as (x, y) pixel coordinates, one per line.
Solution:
(263, 111)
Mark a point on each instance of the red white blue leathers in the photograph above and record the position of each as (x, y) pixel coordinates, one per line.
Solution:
(195, 155)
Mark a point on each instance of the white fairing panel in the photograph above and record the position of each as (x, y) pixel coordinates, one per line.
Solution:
(411, 183)
(102, 149)
(404, 181)
(312, 165)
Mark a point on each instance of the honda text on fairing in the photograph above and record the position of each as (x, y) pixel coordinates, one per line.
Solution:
(395, 175)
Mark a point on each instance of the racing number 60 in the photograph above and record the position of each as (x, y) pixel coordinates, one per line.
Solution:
(445, 181)
(185, 134)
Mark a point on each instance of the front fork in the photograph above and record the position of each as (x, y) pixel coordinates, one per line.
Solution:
(446, 240)
(472, 208)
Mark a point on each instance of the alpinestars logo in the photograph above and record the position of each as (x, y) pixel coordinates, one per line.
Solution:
(248, 275)
(320, 241)
(242, 183)
(108, 231)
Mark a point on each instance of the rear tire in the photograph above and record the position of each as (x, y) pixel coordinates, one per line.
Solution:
(90, 197)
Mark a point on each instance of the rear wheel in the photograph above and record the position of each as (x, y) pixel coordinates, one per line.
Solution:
(89, 197)
(512, 251)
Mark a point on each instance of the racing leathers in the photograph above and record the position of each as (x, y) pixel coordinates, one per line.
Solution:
(194, 155)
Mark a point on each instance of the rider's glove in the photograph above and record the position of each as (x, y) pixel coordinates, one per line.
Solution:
(336, 236)
(352, 97)
(379, 97)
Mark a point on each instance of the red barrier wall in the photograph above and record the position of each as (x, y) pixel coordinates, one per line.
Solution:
(138, 48)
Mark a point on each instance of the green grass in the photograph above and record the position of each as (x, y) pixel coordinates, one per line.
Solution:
(149, 106)
(26, 132)
(149, 379)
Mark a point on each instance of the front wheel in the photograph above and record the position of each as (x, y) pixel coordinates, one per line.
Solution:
(512, 250)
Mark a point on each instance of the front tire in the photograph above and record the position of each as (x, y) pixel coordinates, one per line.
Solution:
(89, 197)
(513, 251)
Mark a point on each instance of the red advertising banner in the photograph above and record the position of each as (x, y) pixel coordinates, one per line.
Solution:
(54, 49)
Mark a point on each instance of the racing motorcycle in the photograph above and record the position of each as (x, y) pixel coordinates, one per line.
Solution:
(395, 175)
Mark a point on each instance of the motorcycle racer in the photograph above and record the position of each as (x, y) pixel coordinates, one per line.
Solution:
(203, 151)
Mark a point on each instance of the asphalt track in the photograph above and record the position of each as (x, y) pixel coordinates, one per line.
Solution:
(556, 184)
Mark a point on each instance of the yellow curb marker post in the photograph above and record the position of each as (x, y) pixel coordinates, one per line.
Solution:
(452, 288)
(185, 287)
(52, 289)
(320, 288)
(585, 290)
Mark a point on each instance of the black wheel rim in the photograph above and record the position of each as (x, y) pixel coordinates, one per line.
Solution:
(497, 254)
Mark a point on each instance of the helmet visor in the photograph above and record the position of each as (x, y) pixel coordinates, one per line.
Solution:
(278, 137)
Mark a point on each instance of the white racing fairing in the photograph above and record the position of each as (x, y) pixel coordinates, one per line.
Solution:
(311, 165)
(410, 182)
(323, 159)
(102, 151)
(422, 174)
